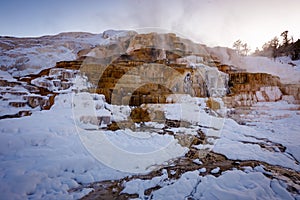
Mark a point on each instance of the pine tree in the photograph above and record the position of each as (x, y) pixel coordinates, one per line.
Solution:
(285, 39)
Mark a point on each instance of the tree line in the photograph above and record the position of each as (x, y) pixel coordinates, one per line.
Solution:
(273, 48)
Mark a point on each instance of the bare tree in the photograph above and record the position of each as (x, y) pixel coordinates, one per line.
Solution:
(237, 45)
(274, 45)
(245, 49)
(270, 48)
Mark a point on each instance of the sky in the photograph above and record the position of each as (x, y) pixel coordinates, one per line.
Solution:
(211, 22)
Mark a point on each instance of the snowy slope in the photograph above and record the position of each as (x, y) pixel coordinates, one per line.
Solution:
(279, 67)
(23, 56)
(286, 72)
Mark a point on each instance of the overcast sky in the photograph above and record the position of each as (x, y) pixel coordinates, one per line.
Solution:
(212, 22)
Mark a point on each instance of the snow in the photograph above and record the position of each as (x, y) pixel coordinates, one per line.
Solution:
(215, 80)
(144, 151)
(7, 97)
(31, 55)
(272, 124)
(202, 170)
(239, 142)
(190, 59)
(44, 155)
(34, 61)
(288, 60)
(279, 67)
(197, 161)
(48, 158)
(193, 113)
(138, 186)
(215, 170)
(4, 75)
(234, 184)
(286, 72)
(279, 122)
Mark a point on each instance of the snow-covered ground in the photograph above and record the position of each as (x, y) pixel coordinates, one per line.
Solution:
(42, 156)
(282, 127)
(279, 123)
(269, 124)
(233, 184)
(52, 155)
(47, 154)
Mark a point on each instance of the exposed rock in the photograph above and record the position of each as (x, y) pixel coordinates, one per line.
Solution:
(244, 99)
(56, 79)
(25, 56)
(167, 41)
(244, 81)
(172, 123)
(146, 68)
(249, 88)
(35, 101)
(21, 113)
(148, 83)
(135, 82)
(212, 104)
(291, 89)
(5, 83)
(139, 115)
(270, 93)
(18, 104)
(74, 65)
(186, 140)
